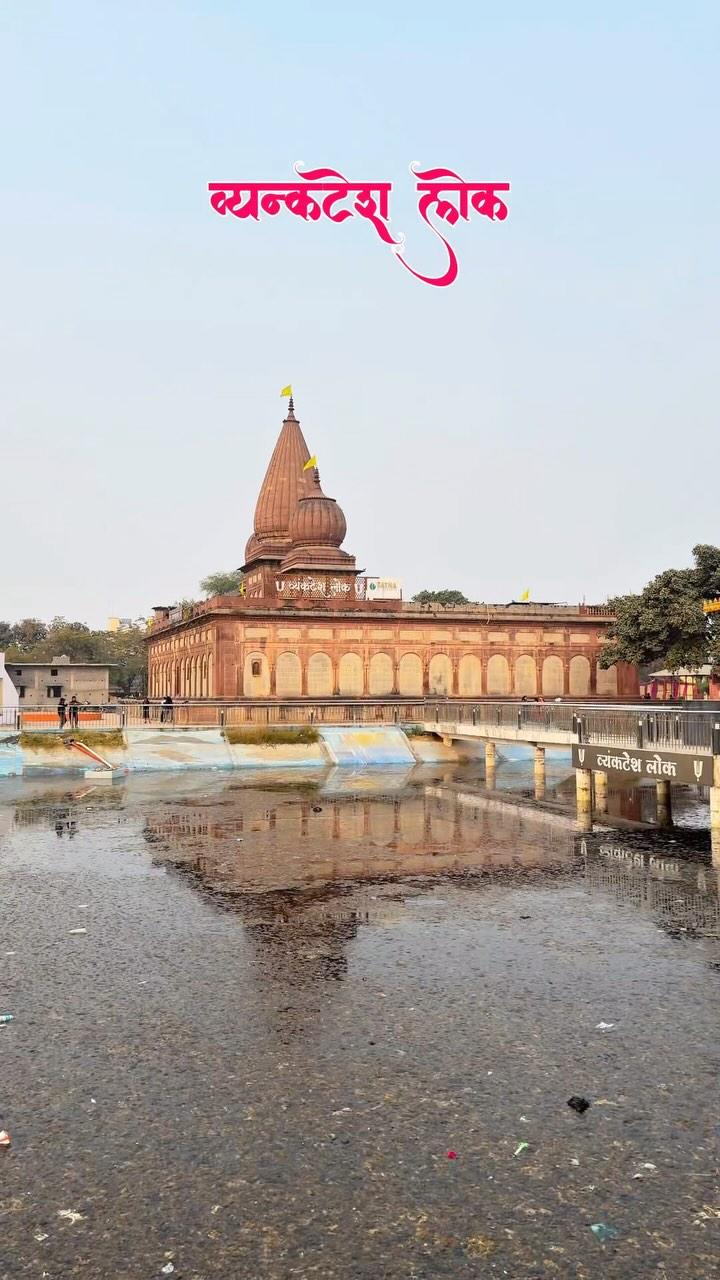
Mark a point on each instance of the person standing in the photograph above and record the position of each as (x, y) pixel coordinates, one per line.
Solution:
(166, 711)
(146, 709)
(62, 711)
(74, 710)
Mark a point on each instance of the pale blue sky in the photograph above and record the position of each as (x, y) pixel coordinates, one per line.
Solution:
(549, 421)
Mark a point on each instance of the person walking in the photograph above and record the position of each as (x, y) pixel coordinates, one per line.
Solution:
(62, 712)
(166, 711)
(74, 710)
(146, 709)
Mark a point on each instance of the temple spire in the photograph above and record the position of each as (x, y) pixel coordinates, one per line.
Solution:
(291, 408)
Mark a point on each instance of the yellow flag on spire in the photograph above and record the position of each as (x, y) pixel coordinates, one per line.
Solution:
(286, 391)
(526, 594)
(311, 462)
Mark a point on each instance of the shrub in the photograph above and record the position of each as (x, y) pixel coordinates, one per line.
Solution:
(241, 735)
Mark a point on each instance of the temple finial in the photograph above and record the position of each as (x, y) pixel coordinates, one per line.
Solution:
(291, 408)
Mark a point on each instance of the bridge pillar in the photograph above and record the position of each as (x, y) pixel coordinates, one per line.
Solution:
(583, 794)
(715, 812)
(490, 763)
(664, 808)
(539, 771)
(601, 788)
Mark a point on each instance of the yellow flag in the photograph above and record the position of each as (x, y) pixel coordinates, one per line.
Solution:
(311, 462)
(526, 594)
(286, 391)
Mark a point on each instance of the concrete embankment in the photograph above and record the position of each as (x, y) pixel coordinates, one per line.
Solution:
(172, 748)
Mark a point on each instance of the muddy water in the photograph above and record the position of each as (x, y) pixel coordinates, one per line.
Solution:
(295, 995)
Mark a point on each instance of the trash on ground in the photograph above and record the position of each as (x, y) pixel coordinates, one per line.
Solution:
(604, 1026)
(480, 1246)
(578, 1104)
(78, 930)
(5, 1138)
(5, 1018)
(603, 1232)
(522, 1146)
(452, 1155)
(71, 1215)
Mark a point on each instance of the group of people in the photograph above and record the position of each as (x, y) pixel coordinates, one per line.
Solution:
(68, 711)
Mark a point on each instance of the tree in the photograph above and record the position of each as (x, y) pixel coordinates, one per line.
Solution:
(440, 597)
(27, 634)
(221, 583)
(665, 623)
(7, 635)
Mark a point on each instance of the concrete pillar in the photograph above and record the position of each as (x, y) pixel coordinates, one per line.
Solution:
(583, 794)
(715, 812)
(664, 809)
(601, 792)
(490, 763)
(539, 773)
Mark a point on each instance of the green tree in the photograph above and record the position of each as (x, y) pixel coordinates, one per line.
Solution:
(440, 597)
(665, 623)
(221, 583)
(7, 635)
(27, 634)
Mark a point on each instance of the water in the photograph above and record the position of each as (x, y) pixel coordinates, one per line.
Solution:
(296, 995)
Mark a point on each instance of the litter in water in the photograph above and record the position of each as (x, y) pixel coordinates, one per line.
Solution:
(452, 1155)
(78, 930)
(41, 1235)
(522, 1146)
(167, 1270)
(5, 1138)
(578, 1104)
(5, 1018)
(71, 1215)
(603, 1232)
(604, 1026)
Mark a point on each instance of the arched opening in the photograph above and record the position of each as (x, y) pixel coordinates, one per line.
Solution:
(440, 675)
(410, 676)
(350, 675)
(607, 682)
(256, 676)
(288, 676)
(498, 674)
(320, 676)
(552, 677)
(470, 676)
(526, 676)
(579, 676)
(381, 675)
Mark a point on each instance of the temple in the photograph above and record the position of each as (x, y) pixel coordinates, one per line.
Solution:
(302, 625)
(294, 549)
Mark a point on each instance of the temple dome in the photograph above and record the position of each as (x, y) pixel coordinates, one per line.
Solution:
(317, 520)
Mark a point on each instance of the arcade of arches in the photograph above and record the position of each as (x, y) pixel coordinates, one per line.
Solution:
(248, 660)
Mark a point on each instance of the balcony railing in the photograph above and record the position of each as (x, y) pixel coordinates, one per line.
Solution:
(628, 726)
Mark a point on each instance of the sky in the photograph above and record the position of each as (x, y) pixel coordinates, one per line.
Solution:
(547, 422)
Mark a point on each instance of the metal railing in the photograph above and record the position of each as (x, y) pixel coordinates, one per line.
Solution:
(627, 726)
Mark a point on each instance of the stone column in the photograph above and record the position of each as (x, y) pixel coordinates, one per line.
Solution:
(583, 792)
(715, 812)
(539, 773)
(490, 762)
(664, 808)
(601, 792)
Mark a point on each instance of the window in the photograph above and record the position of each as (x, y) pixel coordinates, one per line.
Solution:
(18, 671)
(21, 691)
(53, 671)
(54, 691)
(256, 667)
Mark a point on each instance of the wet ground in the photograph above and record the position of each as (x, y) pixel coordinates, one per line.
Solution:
(294, 997)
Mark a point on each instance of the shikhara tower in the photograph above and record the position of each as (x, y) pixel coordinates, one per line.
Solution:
(295, 548)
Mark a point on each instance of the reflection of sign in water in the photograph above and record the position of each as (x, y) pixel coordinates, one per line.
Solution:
(667, 766)
(384, 589)
(711, 606)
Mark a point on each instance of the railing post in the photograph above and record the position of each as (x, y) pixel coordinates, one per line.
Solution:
(716, 739)
(519, 717)
(222, 717)
(639, 733)
(575, 723)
